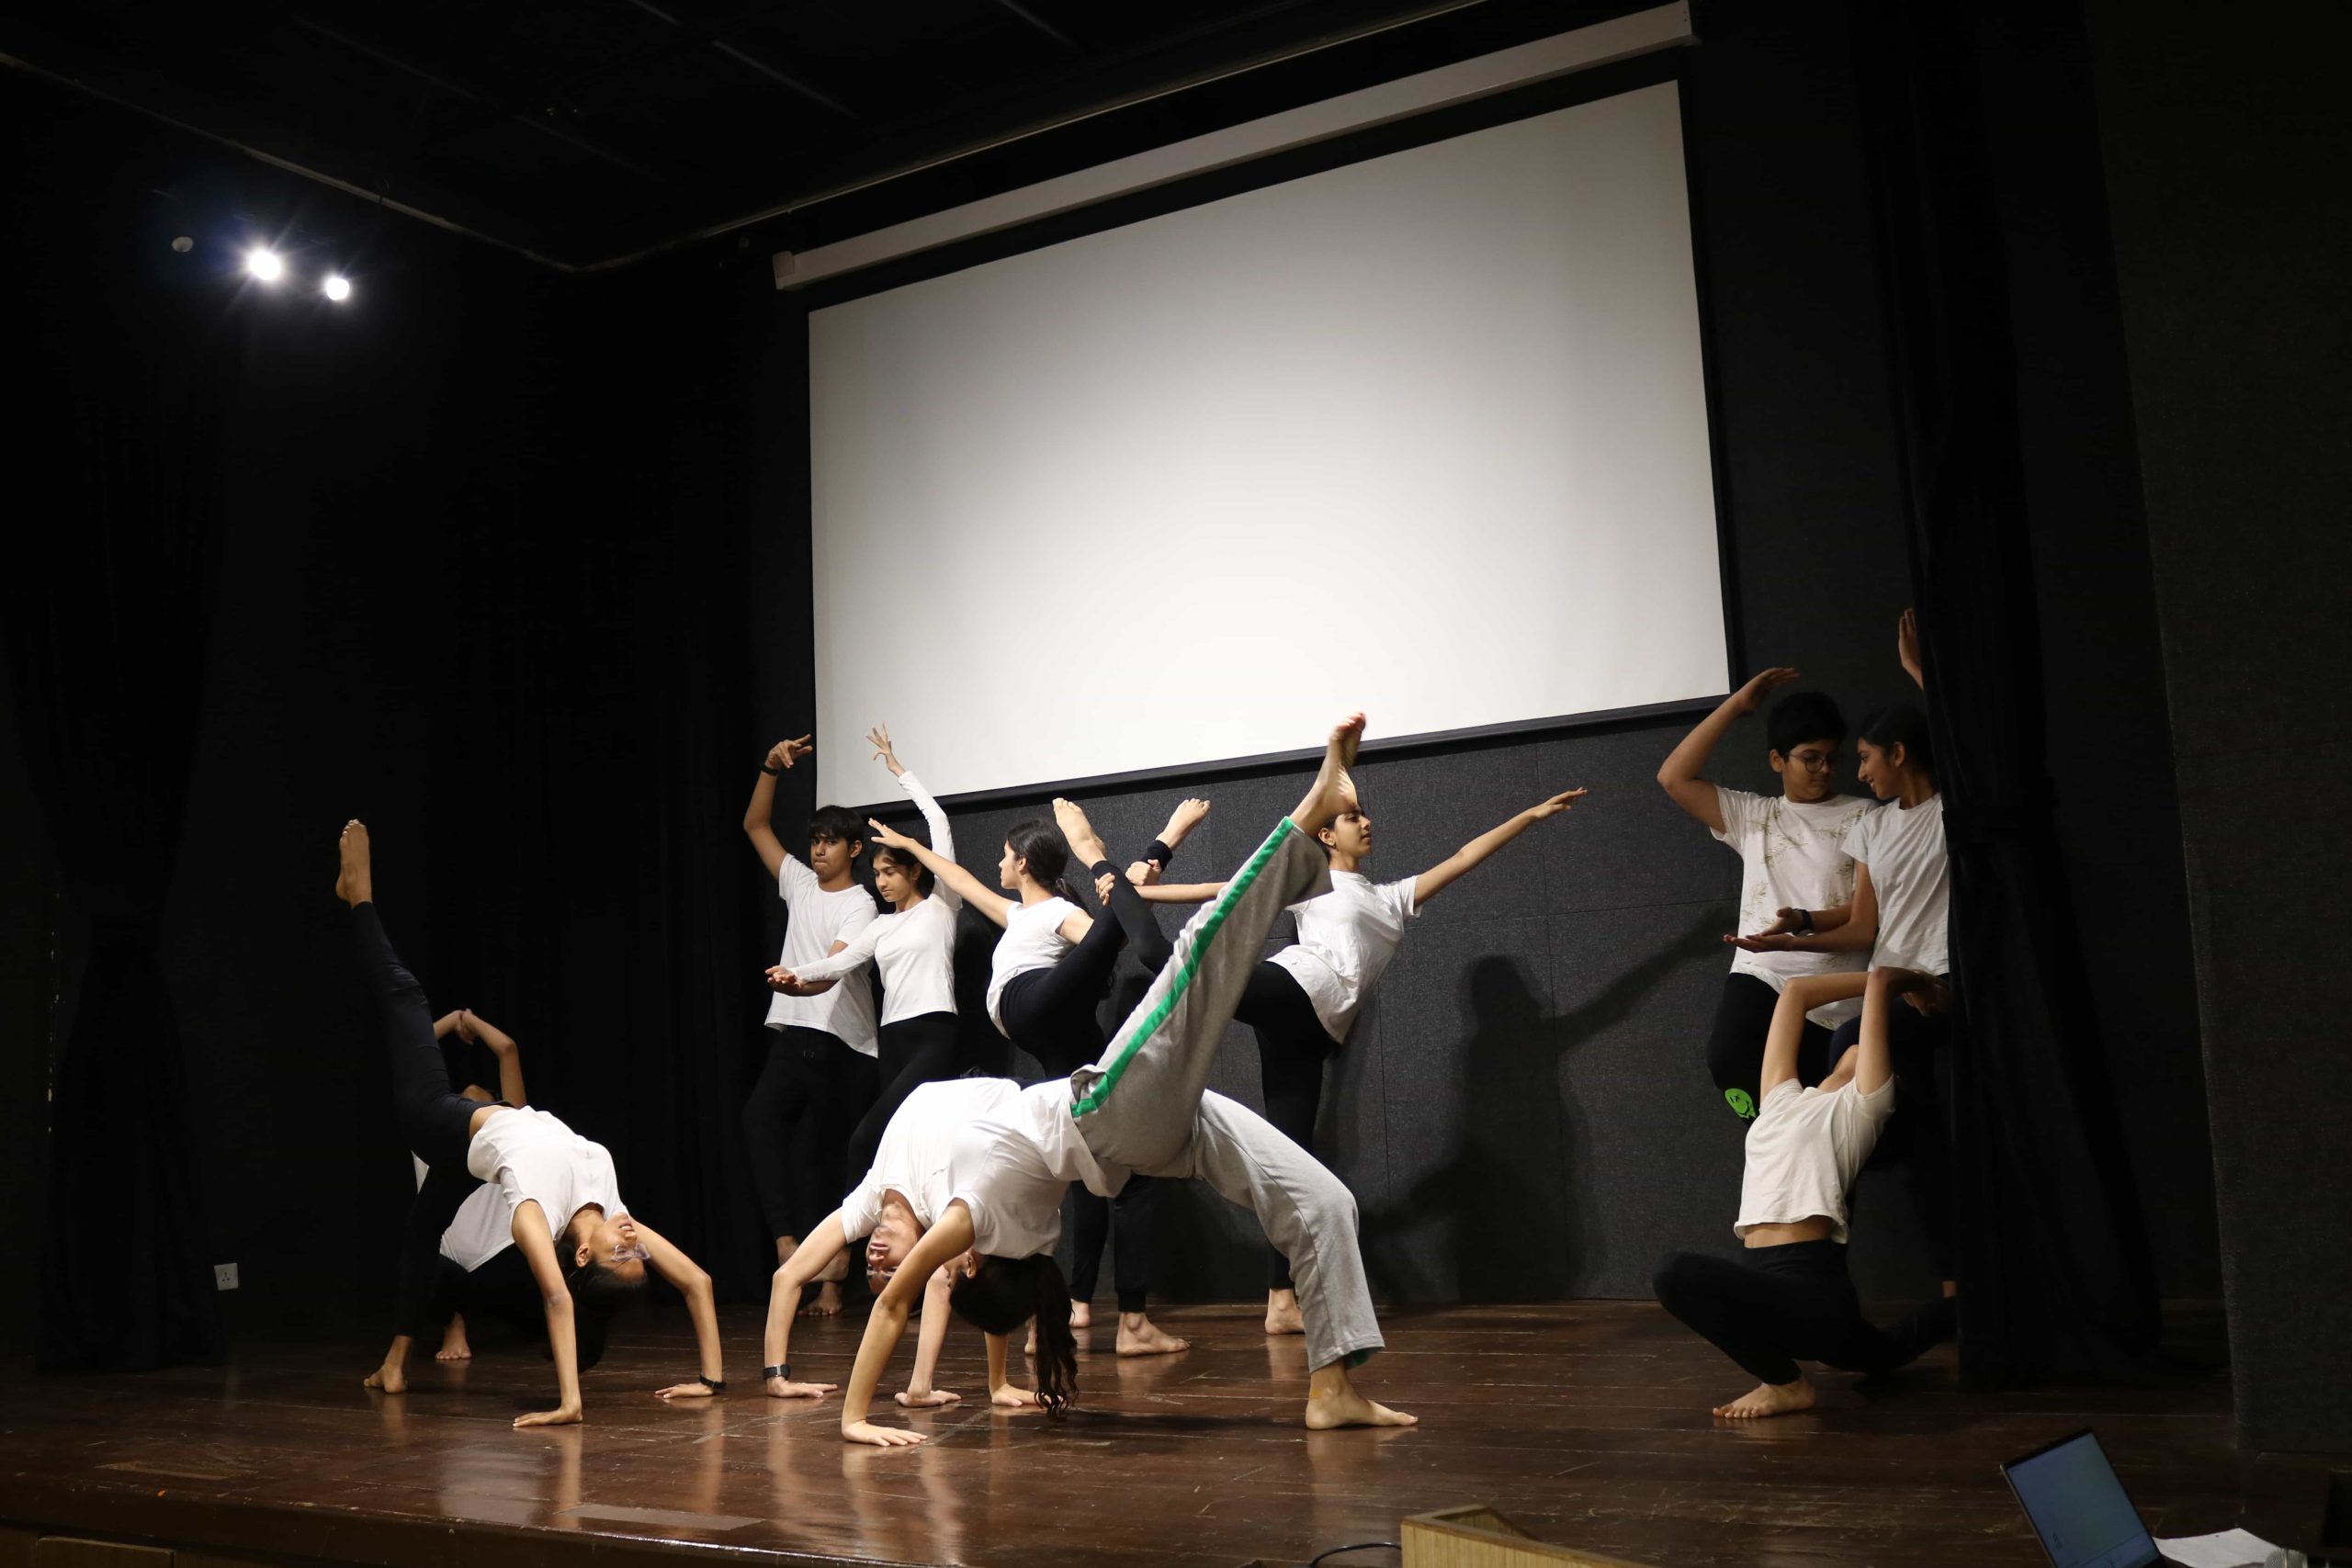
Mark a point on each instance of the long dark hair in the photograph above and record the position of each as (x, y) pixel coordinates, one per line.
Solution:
(905, 859)
(1005, 1293)
(598, 1291)
(1039, 843)
(1905, 726)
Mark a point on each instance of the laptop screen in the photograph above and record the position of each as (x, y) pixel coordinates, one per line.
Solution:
(2079, 1508)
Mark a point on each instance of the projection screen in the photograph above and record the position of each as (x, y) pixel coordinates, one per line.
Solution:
(1424, 434)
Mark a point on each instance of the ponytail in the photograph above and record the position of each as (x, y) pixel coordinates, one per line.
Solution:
(1038, 845)
(1005, 1293)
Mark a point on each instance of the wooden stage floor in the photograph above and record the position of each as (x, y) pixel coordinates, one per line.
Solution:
(1586, 1423)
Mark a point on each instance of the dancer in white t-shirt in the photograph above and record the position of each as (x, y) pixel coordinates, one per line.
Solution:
(819, 1074)
(971, 1172)
(1301, 1002)
(547, 1193)
(1788, 1299)
(1792, 847)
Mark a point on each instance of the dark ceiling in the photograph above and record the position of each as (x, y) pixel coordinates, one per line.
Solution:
(586, 132)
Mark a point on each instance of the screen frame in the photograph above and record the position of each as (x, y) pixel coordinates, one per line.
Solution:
(2156, 1556)
(1281, 168)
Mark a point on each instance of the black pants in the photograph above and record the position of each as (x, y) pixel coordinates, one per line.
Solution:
(1292, 1049)
(1735, 1046)
(796, 1125)
(1052, 1014)
(913, 1052)
(1918, 1136)
(435, 1119)
(1784, 1304)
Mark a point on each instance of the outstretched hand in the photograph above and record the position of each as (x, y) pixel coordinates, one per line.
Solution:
(784, 1388)
(1564, 800)
(683, 1391)
(784, 981)
(883, 834)
(879, 739)
(929, 1399)
(880, 1437)
(1751, 698)
(1764, 941)
(1907, 648)
(784, 753)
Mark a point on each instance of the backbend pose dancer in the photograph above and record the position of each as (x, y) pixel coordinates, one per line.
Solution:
(972, 1171)
(1301, 1002)
(1793, 862)
(913, 949)
(1046, 977)
(1900, 916)
(820, 1076)
(1791, 1299)
(547, 1193)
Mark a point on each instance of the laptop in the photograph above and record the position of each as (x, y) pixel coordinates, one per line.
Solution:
(2078, 1506)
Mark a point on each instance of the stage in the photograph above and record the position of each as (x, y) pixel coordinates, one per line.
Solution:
(1586, 1423)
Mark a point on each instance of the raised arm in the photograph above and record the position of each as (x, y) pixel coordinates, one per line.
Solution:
(1875, 1063)
(1907, 648)
(1441, 875)
(952, 1234)
(930, 1339)
(943, 833)
(481, 1031)
(1800, 996)
(1679, 775)
(701, 1306)
(531, 1238)
(759, 818)
(1852, 929)
(817, 1250)
(946, 873)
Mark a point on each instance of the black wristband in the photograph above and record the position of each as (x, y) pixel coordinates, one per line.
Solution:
(716, 1385)
(772, 773)
(1161, 852)
(781, 1370)
(1105, 868)
(1806, 929)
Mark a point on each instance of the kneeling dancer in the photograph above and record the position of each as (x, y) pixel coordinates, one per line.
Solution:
(974, 1176)
(1791, 1299)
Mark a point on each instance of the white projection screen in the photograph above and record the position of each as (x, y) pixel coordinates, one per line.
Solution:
(1424, 434)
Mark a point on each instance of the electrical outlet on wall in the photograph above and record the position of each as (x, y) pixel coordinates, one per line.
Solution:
(224, 1276)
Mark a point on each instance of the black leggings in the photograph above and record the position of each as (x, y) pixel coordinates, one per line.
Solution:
(796, 1125)
(1292, 1049)
(1918, 1136)
(435, 1119)
(1052, 1014)
(1791, 1302)
(1736, 1046)
(913, 1052)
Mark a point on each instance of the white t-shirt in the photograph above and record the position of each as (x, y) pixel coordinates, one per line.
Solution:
(1793, 856)
(814, 920)
(913, 950)
(1805, 1149)
(1346, 937)
(1033, 940)
(1912, 877)
(1008, 1152)
(526, 1153)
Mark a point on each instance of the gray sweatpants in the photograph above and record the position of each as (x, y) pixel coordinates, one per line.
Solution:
(1146, 1106)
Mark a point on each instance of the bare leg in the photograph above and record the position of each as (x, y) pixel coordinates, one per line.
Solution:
(1182, 820)
(1332, 1400)
(1332, 789)
(1138, 1336)
(1769, 1399)
(1281, 1313)
(393, 1376)
(355, 883)
(1085, 844)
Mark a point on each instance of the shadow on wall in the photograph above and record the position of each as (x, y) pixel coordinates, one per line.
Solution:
(1512, 1206)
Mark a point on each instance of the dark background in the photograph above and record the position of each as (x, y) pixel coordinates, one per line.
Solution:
(509, 564)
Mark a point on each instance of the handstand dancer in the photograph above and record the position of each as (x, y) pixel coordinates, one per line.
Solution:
(1301, 1002)
(1046, 977)
(549, 1193)
(1791, 1299)
(973, 1171)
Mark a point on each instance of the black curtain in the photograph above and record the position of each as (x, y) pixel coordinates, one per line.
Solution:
(105, 635)
(2056, 1275)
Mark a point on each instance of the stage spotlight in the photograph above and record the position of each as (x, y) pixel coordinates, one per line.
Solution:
(264, 264)
(337, 288)
(183, 244)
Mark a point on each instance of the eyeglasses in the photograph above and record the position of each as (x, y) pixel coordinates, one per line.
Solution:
(1814, 761)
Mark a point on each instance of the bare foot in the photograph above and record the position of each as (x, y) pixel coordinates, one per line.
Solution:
(1281, 1313)
(1334, 1402)
(1182, 820)
(1081, 1315)
(1138, 1336)
(355, 883)
(1332, 789)
(1085, 844)
(388, 1378)
(1769, 1399)
(452, 1343)
(828, 1303)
